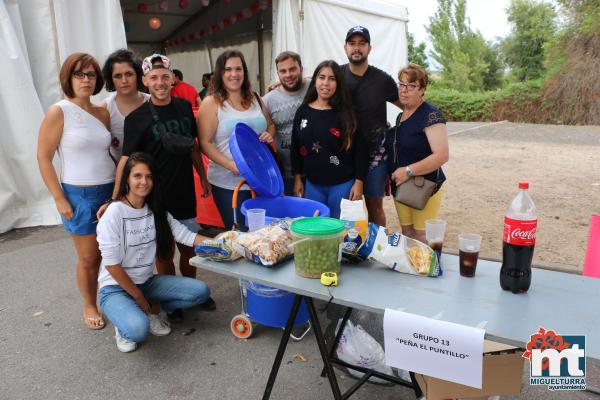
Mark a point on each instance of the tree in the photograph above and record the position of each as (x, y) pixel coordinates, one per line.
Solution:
(533, 26)
(416, 54)
(467, 60)
(572, 82)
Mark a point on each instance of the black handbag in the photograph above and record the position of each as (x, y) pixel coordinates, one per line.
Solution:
(178, 145)
(417, 190)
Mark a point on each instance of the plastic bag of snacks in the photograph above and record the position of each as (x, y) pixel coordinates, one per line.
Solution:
(220, 248)
(354, 217)
(399, 252)
(268, 245)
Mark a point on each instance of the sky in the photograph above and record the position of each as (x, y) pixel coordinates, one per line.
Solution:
(487, 16)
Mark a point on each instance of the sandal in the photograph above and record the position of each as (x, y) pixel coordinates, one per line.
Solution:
(94, 322)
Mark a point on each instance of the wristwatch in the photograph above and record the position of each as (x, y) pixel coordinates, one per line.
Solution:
(409, 172)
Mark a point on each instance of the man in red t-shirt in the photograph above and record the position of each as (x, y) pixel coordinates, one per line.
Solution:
(184, 90)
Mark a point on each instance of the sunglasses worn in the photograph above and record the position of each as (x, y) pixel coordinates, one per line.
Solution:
(81, 75)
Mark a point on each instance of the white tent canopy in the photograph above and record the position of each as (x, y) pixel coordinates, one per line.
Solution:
(315, 29)
(35, 38)
(37, 35)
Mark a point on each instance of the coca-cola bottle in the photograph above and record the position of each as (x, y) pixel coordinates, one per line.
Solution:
(520, 225)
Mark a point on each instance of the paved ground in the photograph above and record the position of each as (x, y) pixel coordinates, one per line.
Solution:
(46, 353)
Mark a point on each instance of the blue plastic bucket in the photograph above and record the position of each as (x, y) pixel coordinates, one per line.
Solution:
(271, 307)
(285, 206)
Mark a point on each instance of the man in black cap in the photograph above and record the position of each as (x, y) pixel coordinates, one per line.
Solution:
(371, 88)
(165, 128)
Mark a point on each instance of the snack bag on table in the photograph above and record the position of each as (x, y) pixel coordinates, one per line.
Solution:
(399, 252)
(220, 248)
(353, 214)
(268, 245)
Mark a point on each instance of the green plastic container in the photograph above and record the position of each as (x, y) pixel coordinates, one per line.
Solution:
(317, 247)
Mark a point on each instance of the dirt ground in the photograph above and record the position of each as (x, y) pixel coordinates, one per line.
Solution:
(562, 166)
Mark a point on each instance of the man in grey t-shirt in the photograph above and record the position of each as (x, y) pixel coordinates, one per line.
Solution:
(282, 104)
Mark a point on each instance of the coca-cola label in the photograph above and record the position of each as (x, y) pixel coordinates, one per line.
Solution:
(520, 233)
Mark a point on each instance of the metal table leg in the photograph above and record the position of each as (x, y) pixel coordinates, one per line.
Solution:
(282, 345)
(338, 336)
(323, 348)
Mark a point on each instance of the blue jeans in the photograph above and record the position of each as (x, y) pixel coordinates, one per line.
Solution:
(170, 291)
(222, 198)
(331, 195)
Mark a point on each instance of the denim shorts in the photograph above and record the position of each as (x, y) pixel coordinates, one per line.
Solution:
(85, 201)
(375, 181)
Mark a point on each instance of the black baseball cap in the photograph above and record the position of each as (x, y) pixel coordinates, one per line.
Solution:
(359, 30)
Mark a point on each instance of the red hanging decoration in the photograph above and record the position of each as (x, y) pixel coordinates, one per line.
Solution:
(142, 7)
(183, 4)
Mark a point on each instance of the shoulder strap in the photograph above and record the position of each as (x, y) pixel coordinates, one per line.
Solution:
(260, 103)
(155, 116)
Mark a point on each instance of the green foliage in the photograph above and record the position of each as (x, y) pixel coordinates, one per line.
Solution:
(468, 61)
(514, 102)
(533, 26)
(572, 83)
(416, 54)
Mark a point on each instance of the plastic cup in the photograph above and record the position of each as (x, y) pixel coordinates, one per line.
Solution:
(435, 230)
(255, 218)
(468, 253)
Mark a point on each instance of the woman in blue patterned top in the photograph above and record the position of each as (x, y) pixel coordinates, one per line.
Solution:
(417, 145)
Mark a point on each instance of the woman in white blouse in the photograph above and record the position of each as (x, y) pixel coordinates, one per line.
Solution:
(134, 230)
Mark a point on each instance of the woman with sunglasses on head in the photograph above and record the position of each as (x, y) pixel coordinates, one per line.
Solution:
(122, 73)
(77, 131)
(136, 229)
(325, 147)
(417, 146)
(231, 100)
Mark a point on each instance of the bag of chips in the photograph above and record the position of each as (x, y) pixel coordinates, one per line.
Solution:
(220, 248)
(399, 252)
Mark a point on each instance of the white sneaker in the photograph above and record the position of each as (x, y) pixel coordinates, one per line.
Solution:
(124, 345)
(159, 326)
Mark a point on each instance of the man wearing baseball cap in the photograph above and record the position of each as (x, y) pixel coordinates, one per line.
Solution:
(165, 128)
(371, 88)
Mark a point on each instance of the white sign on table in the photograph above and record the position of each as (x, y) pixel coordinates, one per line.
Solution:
(431, 347)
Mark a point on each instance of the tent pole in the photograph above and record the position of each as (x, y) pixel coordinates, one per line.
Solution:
(261, 52)
(301, 18)
(210, 62)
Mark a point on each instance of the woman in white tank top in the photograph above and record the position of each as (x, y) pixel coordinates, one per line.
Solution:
(231, 101)
(77, 131)
(122, 74)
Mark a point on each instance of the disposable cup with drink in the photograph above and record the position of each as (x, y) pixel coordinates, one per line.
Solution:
(468, 246)
(435, 229)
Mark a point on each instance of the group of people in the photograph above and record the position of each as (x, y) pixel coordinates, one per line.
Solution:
(126, 190)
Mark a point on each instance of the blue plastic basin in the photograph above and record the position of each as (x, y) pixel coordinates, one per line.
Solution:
(285, 206)
(271, 307)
